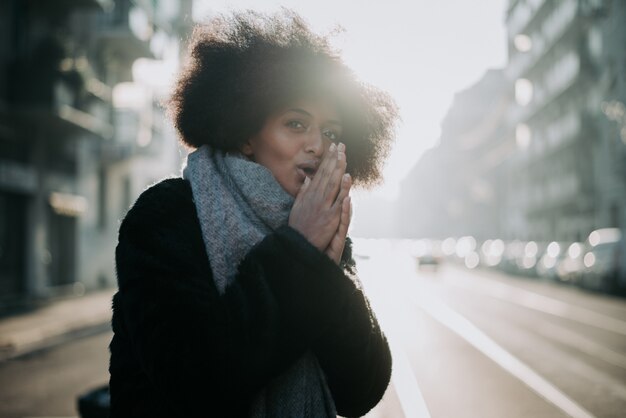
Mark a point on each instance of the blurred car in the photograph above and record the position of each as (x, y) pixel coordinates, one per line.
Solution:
(528, 258)
(570, 269)
(465, 251)
(554, 254)
(513, 250)
(603, 261)
(491, 252)
(448, 248)
(427, 252)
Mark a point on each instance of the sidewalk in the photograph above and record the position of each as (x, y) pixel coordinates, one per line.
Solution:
(24, 333)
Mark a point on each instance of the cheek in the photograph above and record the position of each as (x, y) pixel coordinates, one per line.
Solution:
(279, 157)
(286, 148)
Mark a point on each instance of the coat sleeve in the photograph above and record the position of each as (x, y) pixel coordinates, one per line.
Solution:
(198, 348)
(354, 353)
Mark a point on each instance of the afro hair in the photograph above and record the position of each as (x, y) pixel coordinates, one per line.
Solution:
(243, 67)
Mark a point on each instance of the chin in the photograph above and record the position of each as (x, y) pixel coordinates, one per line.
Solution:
(294, 189)
(294, 192)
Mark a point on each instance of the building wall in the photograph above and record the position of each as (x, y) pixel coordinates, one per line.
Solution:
(568, 172)
(65, 168)
(455, 188)
(553, 164)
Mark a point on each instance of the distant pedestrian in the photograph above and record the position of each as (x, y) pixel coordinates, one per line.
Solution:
(237, 294)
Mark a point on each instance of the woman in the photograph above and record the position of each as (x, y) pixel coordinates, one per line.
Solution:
(236, 295)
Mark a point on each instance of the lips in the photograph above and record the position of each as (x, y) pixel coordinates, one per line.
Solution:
(309, 168)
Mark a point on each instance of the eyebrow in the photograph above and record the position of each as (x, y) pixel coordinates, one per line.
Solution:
(305, 113)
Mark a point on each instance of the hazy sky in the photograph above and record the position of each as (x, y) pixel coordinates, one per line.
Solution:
(421, 51)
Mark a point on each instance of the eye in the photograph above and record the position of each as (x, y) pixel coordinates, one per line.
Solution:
(295, 124)
(330, 134)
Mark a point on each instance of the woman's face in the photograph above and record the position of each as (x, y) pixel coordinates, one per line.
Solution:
(293, 141)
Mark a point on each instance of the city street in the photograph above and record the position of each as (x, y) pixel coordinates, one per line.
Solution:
(486, 140)
(45, 384)
(476, 343)
(466, 343)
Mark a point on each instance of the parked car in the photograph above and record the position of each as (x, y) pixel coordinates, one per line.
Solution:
(528, 258)
(551, 258)
(465, 246)
(570, 269)
(427, 252)
(448, 248)
(491, 252)
(513, 250)
(603, 262)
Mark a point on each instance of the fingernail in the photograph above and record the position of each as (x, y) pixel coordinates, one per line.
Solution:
(332, 147)
(342, 146)
(340, 155)
(346, 177)
(307, 180)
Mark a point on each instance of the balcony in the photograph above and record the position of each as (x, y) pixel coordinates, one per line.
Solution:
(552, 29)
(56, 90)
(120, 48)
(119, 43)
(63, 6)
(523, 14)
(548, 87)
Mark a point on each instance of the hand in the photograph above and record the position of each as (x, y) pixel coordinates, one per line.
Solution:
(335, 248)
(316, 212)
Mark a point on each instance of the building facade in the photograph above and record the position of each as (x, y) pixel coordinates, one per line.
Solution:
(548, 162)
(456, 188)
(71, 160)
(567, 65)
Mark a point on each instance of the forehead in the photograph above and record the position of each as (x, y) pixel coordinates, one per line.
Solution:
(318, 108)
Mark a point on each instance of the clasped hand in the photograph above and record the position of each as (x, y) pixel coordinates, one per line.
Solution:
(322, 210)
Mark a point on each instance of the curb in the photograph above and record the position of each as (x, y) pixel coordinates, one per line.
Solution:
(55, 325)
(12, 352)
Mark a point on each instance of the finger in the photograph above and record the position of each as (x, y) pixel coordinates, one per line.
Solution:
(325, 171)
(335, 248)
(346, 216)
(302, 190)
(349, 210)
(334, 255)
(338, 242)
(346, 184)
(335, 181)
(326, 160)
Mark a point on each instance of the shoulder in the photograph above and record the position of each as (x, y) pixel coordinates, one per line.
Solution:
(161, 232)
(163, 195)
(167, 202)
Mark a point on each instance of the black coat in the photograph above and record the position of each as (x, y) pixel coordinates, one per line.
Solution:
(181, 350)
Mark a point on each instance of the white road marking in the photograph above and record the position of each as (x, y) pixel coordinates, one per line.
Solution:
(578, 370)
(546, 304)
(407, 389)
(564, 336)
(392, 314)
(468, 331)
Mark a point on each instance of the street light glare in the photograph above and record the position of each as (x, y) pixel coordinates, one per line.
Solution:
(522, 42)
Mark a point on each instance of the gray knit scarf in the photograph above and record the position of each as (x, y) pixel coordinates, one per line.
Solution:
(239, 202)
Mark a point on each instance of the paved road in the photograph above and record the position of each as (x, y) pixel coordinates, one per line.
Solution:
(476, 343)
(45, 384)
(465, 344)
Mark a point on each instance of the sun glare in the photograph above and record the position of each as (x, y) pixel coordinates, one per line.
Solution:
(418, 51)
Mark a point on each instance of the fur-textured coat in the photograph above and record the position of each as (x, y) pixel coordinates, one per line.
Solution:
(181, 350)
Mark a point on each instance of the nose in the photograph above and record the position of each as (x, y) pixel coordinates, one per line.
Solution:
(315, 143)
